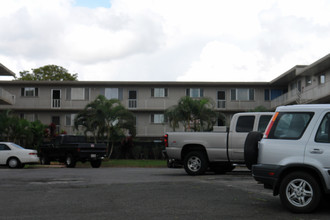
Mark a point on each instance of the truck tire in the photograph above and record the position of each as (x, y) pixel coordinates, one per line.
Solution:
(70, 161)
(96, 163)
(195, 163)
(251, 148)
(300, 192)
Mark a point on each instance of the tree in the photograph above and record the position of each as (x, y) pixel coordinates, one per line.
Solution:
(260, 108)
(20, 130)
(193, 114)
(48, 73)
(108, 119)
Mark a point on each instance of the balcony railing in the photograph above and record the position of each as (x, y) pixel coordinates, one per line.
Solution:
(132, 103)
(221, 104)
(306, 96)
(56, 103)
(6, 98)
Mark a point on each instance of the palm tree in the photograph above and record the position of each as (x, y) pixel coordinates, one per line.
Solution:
(196, 112)
(108, 118)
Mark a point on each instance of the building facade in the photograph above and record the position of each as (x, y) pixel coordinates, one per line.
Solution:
(58, 102)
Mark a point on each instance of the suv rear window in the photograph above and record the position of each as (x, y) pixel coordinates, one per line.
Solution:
(323, 134)
(290, 125)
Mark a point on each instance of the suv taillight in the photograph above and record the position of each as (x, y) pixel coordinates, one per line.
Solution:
(270, 125)
(166, 140)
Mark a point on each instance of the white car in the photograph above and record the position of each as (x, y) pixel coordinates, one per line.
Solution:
(16, 156)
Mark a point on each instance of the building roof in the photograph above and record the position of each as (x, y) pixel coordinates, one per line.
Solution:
(133, 83)
(4, 71)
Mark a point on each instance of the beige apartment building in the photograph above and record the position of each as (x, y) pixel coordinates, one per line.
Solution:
(58, 102)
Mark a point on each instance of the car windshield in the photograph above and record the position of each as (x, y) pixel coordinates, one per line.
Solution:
(17, 146)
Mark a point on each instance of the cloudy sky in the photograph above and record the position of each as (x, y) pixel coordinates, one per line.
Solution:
(164, 40)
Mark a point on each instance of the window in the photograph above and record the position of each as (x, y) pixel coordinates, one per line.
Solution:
(159, 92)
(323, 134)
(267, 95)
(290, 125)
(308, 80)
(4, 147)
(157, 118)
(322, 79)
(221, 96)
(245, 123)
(29, 91)
(132, 103)
(242, 94)
(113, 93)
(263, 122)
(69, 119)
(271, 94)
(29, 117)
(77, 94)
(195, 92)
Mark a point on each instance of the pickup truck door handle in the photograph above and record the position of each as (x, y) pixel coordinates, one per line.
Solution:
(316, 151)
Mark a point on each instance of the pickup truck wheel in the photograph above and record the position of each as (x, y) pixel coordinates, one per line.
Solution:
(96, 163)
(300, 192)
(70, 162)
(251, 148)
(195, 163)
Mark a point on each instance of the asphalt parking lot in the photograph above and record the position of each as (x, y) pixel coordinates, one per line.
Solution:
(137, 193)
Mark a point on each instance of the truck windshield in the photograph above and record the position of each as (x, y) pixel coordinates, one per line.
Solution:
(290, 125)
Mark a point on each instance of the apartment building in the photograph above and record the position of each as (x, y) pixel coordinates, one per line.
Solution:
(59, 102)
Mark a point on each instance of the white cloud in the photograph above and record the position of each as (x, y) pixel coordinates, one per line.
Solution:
(211, 40)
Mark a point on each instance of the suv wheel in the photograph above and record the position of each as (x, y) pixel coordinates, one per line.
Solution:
(300, 192)
(251, 148)
(195, 163)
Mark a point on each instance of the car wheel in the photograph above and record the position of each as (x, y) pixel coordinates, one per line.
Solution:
(251, 148)
(195, 163)
(96, 163)
(70, 161)
(14, 163)
(300, 192)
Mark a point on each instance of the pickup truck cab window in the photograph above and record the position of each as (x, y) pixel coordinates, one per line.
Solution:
(245, 123)
(263, 122)
(290, 125)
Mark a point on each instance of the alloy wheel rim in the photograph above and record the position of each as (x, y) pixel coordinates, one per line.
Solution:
(194, 163)
(299, 192)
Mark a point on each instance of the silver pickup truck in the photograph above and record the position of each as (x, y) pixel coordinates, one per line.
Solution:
(218, 150)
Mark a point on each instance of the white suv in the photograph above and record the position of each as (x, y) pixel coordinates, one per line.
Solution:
(293, 157)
